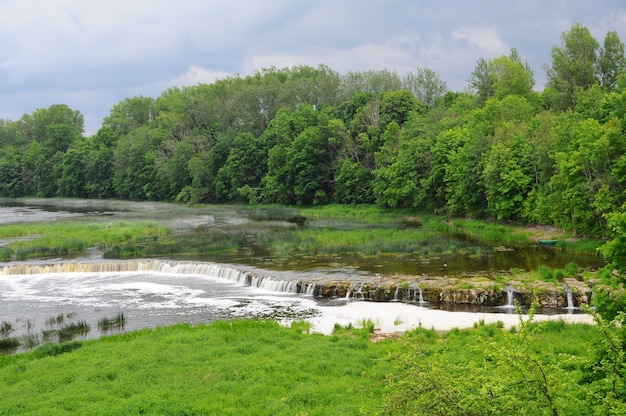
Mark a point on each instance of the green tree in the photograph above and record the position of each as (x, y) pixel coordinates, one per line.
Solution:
(397, 106)
(10, 172)
(373, 82)
(134, 168)
(353, 184)
(482, 80)
(513, 76)
(611, 61)
(573, 66)
(426, 85)
(244, 168)
(502, 76)
(99, 164)
(508, 172)
(130, 114)
(72, 177)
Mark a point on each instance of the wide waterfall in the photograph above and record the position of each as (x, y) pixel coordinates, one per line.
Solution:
(40, 301)
(162, 266)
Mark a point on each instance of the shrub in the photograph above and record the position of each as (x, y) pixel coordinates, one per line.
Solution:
(546, 274)
(571, 269)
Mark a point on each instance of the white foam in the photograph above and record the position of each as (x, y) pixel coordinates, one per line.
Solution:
(391, 318)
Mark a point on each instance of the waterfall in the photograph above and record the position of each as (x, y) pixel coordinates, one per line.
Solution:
(395, 294)
(570, 297)
(309, 289)
(359, 292)
(161, 266)
(510, 297)
(421, 295)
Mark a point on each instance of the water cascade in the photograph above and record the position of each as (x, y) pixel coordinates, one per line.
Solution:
(570, 297)
(309, 284)
(170, 267)
(510, 295)
(420, 298)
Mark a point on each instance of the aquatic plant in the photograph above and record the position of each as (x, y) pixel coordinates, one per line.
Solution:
(8, 344)
(29, 341)
(72, 330)
(6, 328)
(108, 324)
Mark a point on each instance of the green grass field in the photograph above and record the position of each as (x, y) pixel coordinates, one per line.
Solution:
(260, 368)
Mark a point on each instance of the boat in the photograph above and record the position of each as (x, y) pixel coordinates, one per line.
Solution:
(549, 243)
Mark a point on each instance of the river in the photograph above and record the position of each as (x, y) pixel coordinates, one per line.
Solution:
(38, 298)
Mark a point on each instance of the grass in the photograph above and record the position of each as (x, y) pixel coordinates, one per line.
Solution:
(254, 367)
(65, 238)
(226, 368)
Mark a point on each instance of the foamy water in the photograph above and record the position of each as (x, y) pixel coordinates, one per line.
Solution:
(390, 318)
(151, 299)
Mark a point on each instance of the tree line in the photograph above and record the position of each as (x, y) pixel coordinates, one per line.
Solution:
(309, 136)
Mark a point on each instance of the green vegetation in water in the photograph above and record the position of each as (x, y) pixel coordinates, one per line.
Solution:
(66, 238)
(589, 246)
(6, 328)
(109, 324)
(486, 232)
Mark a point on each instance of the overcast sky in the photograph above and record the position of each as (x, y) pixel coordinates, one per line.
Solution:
(91, 55)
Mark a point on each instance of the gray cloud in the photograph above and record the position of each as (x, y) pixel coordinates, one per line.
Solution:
(91, 55)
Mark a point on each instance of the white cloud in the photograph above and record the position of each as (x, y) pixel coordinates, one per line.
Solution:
(196, 75)
(92, 54)
(484, 38)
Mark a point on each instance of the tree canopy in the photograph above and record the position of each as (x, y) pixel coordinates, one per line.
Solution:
(303, 135)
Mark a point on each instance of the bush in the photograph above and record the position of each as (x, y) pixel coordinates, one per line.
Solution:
(546, 274)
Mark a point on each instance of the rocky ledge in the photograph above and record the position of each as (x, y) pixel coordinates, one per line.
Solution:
(449, 291)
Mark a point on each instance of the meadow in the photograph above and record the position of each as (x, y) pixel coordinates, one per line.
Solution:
(250, 367)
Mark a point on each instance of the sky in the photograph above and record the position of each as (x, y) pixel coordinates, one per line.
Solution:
(93, 54)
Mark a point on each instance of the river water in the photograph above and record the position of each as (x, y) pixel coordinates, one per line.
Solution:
(33, 302)
(38, 303)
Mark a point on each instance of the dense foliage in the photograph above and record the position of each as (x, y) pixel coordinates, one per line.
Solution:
(310, 136)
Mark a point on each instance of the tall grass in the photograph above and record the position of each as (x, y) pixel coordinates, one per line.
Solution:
(254, 367)
(63, 238)
(488, 232)
(236, 367)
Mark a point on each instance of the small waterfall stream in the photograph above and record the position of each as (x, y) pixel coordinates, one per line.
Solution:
(570, 297)
(510, 298)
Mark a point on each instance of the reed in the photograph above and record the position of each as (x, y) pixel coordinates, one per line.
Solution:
(72, 330)
(6, 328)
(546, 274)
(108, 324)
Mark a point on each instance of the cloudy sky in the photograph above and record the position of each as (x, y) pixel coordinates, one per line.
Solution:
(92, 54)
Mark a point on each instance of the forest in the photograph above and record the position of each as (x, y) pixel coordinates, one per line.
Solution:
(499, 150)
